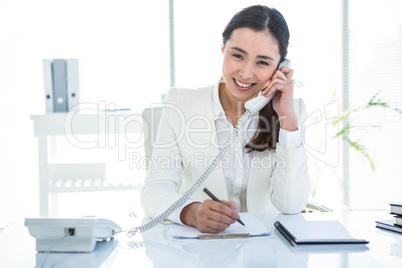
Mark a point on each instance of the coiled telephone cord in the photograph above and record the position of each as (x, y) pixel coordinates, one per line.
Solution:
(195, 186)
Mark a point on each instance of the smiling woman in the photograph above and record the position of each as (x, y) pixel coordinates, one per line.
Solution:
(251, 55)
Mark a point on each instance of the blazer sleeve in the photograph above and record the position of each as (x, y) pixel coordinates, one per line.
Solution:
(290, 180)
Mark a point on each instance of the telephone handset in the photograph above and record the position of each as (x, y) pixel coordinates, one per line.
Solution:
(253, 105)
(256, 104)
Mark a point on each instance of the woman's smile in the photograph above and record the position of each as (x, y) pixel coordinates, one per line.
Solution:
(243, 86)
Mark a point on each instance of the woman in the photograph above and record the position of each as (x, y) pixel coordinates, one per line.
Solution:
(265, 169)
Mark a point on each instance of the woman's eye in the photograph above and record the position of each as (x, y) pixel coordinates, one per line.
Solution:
(263, 63)
(238, 56)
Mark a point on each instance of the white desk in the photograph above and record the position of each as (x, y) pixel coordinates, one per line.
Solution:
(156, 249)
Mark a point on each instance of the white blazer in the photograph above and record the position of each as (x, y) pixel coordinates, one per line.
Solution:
(278, 179)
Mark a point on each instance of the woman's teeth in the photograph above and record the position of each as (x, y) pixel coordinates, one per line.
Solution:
(242, 84)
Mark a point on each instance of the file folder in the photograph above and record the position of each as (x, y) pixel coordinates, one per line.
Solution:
(47, 75)
(59, 85)
(73, 97)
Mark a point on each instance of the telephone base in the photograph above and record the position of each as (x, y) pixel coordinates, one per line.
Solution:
(70, 234)
(68, 244)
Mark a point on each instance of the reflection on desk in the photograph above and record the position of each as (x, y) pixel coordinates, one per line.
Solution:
(242, 252)
(105, 252)
(154, 248)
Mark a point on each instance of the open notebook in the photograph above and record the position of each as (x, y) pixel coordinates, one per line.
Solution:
(252, 228)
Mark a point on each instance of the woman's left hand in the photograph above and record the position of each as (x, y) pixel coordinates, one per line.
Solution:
(283, 100)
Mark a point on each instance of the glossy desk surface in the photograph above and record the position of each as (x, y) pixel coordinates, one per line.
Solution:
(155, 248)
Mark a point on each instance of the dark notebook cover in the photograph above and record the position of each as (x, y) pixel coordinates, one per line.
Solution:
(389, 225)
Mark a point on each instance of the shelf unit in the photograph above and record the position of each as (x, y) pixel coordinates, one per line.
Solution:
(58, 177)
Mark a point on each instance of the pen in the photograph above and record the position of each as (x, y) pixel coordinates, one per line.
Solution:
(217, 200)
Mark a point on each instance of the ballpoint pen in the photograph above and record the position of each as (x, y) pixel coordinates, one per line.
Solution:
(213, 197)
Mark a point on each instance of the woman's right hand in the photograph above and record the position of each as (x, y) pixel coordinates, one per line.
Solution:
(210, 216)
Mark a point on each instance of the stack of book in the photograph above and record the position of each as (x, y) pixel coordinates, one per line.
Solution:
(396, 224)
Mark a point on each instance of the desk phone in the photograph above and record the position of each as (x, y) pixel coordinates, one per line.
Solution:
(70, 234)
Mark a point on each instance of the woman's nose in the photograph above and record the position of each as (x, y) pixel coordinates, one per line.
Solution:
(247, 71)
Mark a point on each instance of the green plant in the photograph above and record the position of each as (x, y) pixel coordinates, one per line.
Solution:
(344, 133)
(342, 127)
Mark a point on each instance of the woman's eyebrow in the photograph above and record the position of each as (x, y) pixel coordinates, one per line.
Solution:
(258, 56)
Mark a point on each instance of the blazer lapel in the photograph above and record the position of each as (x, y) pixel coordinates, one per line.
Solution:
(201, 138)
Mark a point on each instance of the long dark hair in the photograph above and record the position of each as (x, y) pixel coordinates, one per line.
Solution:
(262, 18)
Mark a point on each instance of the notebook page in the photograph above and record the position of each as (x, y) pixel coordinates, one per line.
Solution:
(252, 226)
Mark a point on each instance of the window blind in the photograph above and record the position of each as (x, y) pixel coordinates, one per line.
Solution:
(375, 66)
